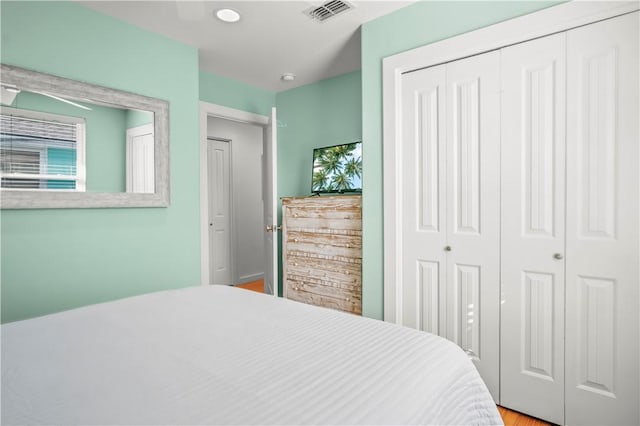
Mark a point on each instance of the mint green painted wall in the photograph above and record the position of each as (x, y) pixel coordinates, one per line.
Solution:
(416, 25)
(58, 259)
(135, 118)
(325, 113)
(231, 93)
(106, 150)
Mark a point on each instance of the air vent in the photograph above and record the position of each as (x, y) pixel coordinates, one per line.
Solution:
(328, 10)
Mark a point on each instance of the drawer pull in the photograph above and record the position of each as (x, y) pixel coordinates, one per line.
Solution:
(295, 240)
(347, 272)
(348, 246)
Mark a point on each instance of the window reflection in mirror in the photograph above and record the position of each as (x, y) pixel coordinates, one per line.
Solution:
(50, 142)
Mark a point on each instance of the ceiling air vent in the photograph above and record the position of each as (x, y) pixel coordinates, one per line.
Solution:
(328, 10)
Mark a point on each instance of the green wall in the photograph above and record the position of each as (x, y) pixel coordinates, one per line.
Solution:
(416, 25)
(325, 113)
(135, 118)
(231, 93)
(58, 259)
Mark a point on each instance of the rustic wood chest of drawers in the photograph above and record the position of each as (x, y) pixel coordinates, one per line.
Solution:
(322, 251)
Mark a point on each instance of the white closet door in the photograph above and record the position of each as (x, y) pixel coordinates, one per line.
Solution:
(473, 211)
(603, 276)
(533, 191)
(423, 225)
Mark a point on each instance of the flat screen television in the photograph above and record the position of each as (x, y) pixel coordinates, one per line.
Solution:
(337, 168)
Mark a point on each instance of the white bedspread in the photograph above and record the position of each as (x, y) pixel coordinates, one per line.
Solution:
(221, 355)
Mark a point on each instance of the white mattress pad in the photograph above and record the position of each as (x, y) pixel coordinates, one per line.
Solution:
(221, 355)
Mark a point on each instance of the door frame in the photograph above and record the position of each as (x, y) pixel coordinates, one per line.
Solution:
(212, 110)
(517, 30)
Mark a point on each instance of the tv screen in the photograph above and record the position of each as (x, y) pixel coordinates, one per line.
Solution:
(337, 168)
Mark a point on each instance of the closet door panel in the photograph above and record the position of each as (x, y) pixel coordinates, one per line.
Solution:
(423, 224)
(602, 223)
(473, 211)
(532, 162)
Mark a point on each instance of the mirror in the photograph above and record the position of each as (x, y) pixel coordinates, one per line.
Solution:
(70, 144)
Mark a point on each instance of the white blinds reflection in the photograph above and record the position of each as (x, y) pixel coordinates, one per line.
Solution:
(37, 153)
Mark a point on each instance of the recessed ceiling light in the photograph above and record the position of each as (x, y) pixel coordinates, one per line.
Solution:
(228, 15)
(288, 76)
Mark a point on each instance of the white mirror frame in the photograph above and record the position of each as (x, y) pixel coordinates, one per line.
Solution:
(32, 80)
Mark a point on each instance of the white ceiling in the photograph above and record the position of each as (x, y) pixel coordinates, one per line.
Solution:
(272, 37)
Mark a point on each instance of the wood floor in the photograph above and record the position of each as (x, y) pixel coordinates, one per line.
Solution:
(513, 418)
(510, 418)
(257, 285)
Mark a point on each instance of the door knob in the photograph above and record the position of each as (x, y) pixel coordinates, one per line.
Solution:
(557, 256)
(273, 228)
(447, 248)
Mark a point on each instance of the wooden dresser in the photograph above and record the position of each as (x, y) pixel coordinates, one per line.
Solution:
(322, 251)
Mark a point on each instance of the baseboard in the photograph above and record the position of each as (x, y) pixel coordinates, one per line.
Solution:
(248, 278)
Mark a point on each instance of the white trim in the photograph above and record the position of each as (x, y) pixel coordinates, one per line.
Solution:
(81, 156)
(548, 21)
(212, 110)
(249, 278)
(220, 111)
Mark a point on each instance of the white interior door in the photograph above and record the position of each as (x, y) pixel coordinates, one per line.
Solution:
(140, 159)
(473, 212)
(218, 157)
(602, 378)
(533, 227)
(424, 231)
(270, 180)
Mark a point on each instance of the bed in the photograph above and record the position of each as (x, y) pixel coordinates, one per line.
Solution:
(222, 355)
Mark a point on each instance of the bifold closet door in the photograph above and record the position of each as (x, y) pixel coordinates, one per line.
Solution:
(450, 251)
(424, 231)
(603, 216)
(473, 212)
(533, 250)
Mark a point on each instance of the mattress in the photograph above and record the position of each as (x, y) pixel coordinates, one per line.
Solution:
(222, 355)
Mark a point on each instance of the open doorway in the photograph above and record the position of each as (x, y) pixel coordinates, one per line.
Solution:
(237, 192)
(235, 210)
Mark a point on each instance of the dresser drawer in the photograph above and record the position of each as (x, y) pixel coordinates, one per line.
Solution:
(323, 223)
(334, 207)
(306, 293)
(329, 243)
(332, 272)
